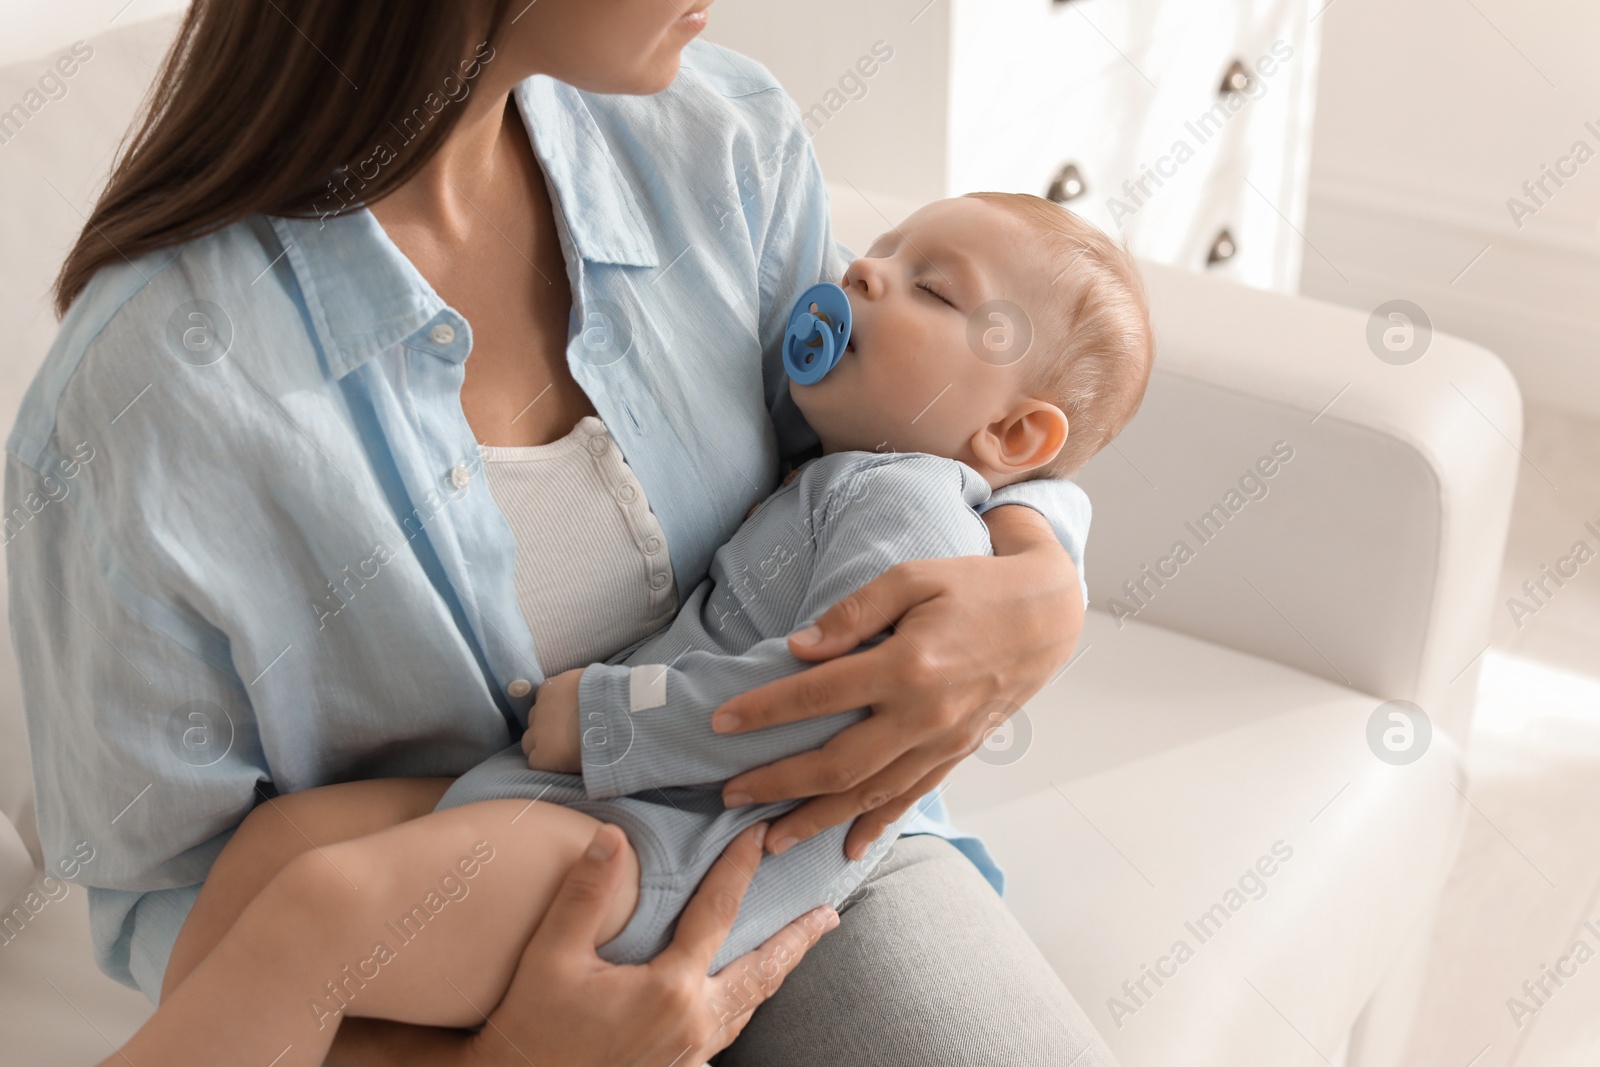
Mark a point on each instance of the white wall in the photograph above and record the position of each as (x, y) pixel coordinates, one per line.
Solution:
(850, 145)
(1431, 115)
(30, 28)
(1001, 94)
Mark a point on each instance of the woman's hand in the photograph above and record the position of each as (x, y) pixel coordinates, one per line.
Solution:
(568, 1008)
(551, 741)
(975, 638)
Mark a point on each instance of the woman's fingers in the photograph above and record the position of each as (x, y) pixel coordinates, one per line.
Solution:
(839, 685)
(898, 782)
(869, 610)
(572, 922)
(741, 987)
(736, 990)
(870, 825)
(852, 757)
(567, 1006)
(709, 915)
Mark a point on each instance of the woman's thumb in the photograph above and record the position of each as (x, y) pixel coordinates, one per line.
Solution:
(581, 903)
(858, 617)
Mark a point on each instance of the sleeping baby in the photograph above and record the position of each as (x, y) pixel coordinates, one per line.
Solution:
(994, 338)
(945, 391)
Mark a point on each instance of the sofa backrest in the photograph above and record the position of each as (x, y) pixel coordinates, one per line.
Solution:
(1372, 556)
(1369, 557)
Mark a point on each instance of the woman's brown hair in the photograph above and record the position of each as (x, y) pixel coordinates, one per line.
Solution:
(283, 107)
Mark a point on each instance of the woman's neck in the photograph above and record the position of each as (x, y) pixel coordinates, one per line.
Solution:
(487, 147)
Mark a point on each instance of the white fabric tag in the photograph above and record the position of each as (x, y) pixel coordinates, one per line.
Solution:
(647, 687)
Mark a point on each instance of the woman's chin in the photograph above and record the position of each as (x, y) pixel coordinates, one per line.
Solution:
(643, 79)
(661, 74)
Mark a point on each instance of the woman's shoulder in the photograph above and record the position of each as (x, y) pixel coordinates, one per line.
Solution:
(137, 324)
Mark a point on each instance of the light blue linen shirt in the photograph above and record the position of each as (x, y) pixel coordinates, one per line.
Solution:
(251, 546)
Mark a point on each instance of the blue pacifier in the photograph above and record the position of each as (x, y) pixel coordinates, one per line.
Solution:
(819, 328)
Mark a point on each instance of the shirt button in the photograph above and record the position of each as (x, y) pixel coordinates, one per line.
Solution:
(443, 333)
(597, 444)
(520, 688)
(659, 581)
(626, 493)
(460, 476)
(652, 546)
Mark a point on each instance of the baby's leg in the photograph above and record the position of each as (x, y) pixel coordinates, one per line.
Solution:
(276, 832)
(422, 922)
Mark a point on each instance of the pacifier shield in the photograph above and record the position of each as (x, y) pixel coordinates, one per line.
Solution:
(819, 328)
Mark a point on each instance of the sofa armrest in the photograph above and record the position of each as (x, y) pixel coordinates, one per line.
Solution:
(1371, 556)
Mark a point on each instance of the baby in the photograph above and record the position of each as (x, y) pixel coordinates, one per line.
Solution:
(995, 338)
(948, 389)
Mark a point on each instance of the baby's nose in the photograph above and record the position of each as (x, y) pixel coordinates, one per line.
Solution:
(861, 276)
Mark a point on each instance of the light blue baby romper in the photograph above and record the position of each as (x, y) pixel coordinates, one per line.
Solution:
(651, 763)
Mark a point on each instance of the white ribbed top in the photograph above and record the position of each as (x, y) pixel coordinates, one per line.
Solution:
(593, 575)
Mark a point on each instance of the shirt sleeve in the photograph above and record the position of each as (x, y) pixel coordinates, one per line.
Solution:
(1063, 504)
(144, 749)
(649, 726)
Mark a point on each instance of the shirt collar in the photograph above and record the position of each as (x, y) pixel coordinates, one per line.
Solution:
(364, 295)
(594, 197)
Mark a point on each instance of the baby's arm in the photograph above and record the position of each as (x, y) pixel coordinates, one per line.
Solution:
(649, 726)
(551, 741)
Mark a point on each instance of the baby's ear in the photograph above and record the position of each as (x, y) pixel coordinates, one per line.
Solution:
(1025, 439)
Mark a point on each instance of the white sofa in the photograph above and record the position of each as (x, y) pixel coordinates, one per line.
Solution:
(1176, 752)
(1233, 711)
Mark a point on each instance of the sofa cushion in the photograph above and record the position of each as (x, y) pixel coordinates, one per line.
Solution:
(1141, 800)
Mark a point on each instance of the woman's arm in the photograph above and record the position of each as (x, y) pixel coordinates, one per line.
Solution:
(974, 639)
(145, 747)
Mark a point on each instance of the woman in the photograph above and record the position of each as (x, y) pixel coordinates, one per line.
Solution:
(272, 558)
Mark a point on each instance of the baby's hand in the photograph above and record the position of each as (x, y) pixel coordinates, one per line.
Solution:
(552, 741)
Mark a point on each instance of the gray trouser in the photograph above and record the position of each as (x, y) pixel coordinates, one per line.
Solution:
(926, 969)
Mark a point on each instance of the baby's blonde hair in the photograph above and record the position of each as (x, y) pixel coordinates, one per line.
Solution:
(1092, 346)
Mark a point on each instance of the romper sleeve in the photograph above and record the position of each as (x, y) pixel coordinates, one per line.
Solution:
(1063, 504)
(914, 507)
